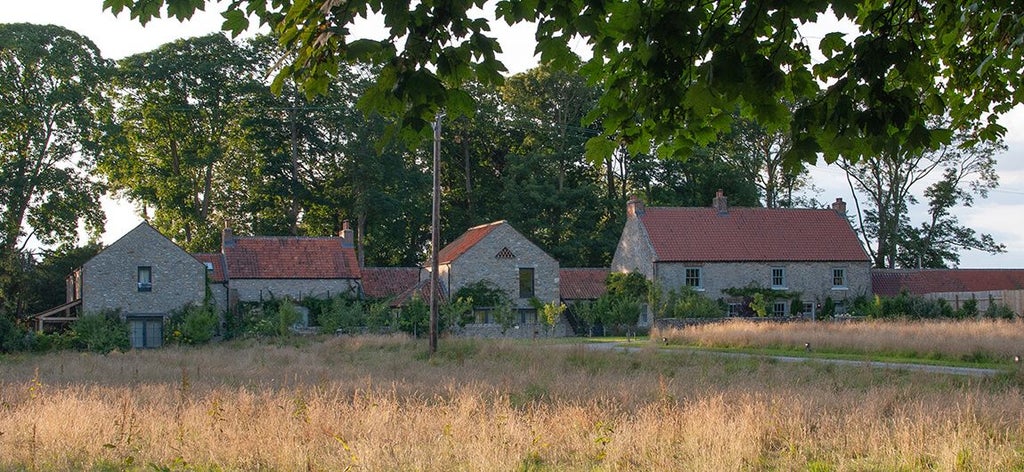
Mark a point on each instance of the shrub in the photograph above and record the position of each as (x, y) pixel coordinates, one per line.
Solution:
(194, 324)
(342, 314)
(998, 311)
(12, 335)
(287, 315)
(101, 332)
(415, 317)
(689, 303)
(968, 310)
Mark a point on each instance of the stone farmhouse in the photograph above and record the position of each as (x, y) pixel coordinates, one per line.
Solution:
(813, 252)
(497, 253)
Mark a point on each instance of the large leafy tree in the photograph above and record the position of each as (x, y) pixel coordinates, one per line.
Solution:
(52, 84)
(177, 111)
(884, 189)
(673, 72)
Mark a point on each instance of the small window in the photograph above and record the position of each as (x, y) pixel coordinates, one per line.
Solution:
(808, 308)
(145, 278)
(778, 277)
(209, 266)
(528, 316)
(505, 253)
(839, 278)
(692, 277)
(483, 315)
(779, 309)
(735, 309)
(526, 282)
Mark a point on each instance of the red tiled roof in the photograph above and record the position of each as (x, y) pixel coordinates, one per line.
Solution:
(467, 240)
(387, 282)
(582, 284)
(266, 257)
(750, 234)
(888, 283)
(217, 260)
(422, 291)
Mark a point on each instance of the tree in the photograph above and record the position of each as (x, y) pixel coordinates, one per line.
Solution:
(177, 110)
(673, 72)
(887, 183)
(52, 86)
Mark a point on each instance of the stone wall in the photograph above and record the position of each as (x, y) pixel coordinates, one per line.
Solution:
(110, 279)
(517, 331)
(812, 279)
(479, 263)
(254, 290)
(634, 252)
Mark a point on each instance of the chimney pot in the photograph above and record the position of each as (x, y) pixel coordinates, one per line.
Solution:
(839, 206)
(634, 207)
(227, 238)
(720, 202)
(346, 235)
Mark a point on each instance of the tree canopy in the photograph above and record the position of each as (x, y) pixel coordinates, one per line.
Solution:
(674, 72)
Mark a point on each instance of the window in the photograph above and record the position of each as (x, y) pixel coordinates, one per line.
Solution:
(209, 266)
(779, 309)
(808, 308)
(527, 316)
(838, 278)
(146, 332)
(504, 253)
(778, 277)
(735, 309)
(145, 278)
(483, 315)
(526, 282)
(692, 277)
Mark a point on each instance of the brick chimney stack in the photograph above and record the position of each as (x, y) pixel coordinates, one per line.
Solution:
(634, 207)
(227, 238)
(839, 207)
(720, 203)
(345, 234)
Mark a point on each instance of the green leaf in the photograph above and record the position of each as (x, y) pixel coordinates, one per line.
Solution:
(599, 148)
(235, 22)
(362, 50)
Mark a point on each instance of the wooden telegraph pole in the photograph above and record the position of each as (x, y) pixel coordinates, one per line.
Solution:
(435, 232)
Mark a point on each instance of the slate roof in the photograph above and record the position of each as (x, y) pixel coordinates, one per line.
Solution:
(582, 283)
(266, 257)
(888, 283)
(751, 234)
(466, 241)
(387, 282)
(217, 275)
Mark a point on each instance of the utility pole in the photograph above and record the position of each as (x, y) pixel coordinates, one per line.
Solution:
(435, 231)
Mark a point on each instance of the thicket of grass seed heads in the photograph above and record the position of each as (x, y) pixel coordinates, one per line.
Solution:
(380, 403)
(967, 340)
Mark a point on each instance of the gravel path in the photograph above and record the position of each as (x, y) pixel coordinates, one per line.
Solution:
(934, 369)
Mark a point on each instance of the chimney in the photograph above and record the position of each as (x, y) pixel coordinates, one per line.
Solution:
(720, 203)
(227, 238)
(839, 207)
(347, 240)
(634, 207)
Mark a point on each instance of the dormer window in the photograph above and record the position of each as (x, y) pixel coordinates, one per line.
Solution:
(145, 280)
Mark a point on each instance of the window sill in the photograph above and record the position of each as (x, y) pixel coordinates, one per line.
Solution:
(840, 289)
(779, 287)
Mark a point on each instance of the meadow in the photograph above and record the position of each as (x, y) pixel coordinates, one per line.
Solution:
(381, 403)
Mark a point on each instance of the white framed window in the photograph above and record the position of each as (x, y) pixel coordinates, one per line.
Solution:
(735, 309)
(209, 266)
(779, 309)
(778, 277)
(838, 278)
(692, 277)
(145, 279)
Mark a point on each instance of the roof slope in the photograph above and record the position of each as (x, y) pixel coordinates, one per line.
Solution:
(264, 257)
(582, 283)
(217, 260)
(466, 241)
(890, 283)
(387, 282)
(751, 234)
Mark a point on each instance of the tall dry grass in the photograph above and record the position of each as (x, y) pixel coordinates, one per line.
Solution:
(994, 340)
(382, 404)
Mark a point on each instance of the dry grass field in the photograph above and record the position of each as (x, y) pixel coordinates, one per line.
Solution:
(988, 340)
(377, 403)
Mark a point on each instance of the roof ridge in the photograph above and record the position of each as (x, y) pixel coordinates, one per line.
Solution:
(493, 223)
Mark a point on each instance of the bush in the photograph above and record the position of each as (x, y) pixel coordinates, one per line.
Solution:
(997, 311)
(343, 315)
(101, 332)
(12, 335)
(192, 325)
(689, 303)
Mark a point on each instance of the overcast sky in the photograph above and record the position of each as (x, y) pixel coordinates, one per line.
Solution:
(1001, 215)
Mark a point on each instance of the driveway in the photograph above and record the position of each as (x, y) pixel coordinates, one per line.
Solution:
(933, 369)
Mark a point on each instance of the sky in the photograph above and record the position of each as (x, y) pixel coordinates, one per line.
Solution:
(1001, 214)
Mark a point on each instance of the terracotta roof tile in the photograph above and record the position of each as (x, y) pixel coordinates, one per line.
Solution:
(466, 241)
(265, 257)
(215, 259)
(422, 291)
(387, 282)
(888, 283)
(750, 234)
(582, 284)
